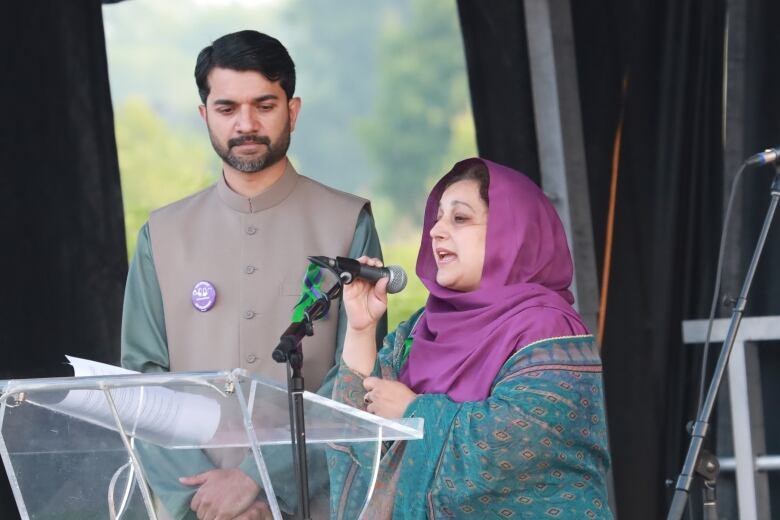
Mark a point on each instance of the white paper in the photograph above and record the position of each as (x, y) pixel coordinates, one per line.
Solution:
(155, 414)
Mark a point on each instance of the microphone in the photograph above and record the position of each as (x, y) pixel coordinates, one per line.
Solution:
(349, 269)
(768, 156)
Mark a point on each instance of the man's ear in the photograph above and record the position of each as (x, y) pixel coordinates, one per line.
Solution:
(202, 112)
(294, 106)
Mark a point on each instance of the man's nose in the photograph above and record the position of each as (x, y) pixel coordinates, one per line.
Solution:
(247, 121)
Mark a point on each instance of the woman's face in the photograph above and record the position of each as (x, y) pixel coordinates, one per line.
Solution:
(458, 237)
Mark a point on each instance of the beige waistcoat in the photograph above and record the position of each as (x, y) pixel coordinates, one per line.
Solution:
(254, 253)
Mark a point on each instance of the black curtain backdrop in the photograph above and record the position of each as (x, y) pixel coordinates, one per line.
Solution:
(497, 60)
(64, 260)
(669, 54)
(762, 130)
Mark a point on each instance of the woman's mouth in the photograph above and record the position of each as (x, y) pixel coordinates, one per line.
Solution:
(444, 256)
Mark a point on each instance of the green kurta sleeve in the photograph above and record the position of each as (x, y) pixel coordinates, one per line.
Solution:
(145, 349)
(365, 243)
(144, 342)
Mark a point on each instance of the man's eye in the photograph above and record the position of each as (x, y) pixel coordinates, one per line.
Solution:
(266, 108)
(225, 110)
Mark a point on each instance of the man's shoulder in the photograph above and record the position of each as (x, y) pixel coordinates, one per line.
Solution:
(318, 189)
(195, 200)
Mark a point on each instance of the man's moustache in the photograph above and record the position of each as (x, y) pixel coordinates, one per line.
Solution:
(257, 139)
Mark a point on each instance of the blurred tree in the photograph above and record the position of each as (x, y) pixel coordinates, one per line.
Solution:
(158, 164)
(405, 303)
(463, 143)
(422, 91)
(334, 46)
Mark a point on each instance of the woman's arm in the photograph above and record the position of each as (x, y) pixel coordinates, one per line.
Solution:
(359, 350)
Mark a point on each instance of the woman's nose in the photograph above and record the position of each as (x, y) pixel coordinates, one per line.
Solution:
(438, 229)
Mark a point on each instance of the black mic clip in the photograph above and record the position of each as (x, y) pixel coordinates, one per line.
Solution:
(345, 276)
(289, 345)
(348, 269)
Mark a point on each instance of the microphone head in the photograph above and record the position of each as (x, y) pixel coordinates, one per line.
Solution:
(397, 279)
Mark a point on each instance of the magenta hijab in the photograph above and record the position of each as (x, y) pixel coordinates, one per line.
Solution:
(463, 338)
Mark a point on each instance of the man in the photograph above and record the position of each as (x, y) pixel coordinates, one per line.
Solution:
(216, 275)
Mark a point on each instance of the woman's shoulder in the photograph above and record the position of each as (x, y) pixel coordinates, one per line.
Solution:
(572, 352)
(553, 337)
(549, 359)
(550, 322)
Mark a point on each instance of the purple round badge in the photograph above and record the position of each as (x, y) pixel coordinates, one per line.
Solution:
(204, 295)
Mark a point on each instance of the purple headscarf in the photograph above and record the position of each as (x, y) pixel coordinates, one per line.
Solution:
(463, 338)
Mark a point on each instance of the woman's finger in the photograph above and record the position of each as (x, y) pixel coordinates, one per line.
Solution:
(369, 260)
(370, 383)
(380, 288)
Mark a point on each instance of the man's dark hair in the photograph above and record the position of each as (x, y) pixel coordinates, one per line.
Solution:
(243, 51)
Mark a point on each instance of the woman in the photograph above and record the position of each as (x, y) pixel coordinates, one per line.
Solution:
(498, 364)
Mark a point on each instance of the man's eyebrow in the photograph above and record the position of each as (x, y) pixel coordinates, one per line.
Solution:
(259, 99)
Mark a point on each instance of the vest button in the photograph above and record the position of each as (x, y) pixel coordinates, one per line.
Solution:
(251, 358)
(248, 315)
(251, 230)
(250, 269)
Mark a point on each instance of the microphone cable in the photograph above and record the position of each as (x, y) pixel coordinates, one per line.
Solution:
(718, 277)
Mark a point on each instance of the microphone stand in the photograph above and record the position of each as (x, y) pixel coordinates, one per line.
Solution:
(693, 465)
(289, 351)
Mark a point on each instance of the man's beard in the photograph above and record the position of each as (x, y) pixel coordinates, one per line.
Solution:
(273, 154)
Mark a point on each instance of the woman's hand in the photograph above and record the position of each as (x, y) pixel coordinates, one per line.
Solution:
(365, 302)
(388, 399)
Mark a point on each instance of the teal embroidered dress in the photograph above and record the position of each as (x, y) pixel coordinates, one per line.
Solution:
(535, 448)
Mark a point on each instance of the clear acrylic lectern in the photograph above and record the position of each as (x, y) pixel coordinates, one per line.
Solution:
(87, 447)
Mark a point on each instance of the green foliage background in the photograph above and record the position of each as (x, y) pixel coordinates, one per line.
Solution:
(385, 104)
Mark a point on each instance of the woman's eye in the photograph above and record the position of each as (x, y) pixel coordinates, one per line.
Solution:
(460, 218)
